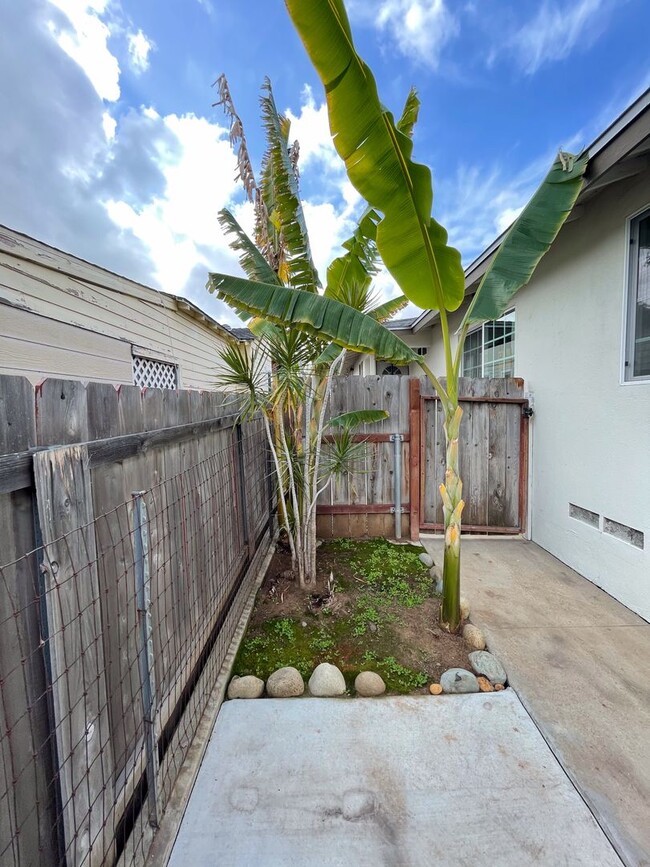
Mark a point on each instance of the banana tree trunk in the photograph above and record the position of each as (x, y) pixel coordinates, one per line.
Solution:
(452, 502)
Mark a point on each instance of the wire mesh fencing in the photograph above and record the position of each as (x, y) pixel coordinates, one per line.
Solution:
(113, 632)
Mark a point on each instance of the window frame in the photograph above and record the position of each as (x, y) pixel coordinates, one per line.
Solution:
(629, 299)
(481, 327)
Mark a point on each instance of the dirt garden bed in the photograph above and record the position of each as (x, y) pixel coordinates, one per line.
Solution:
(373, 607)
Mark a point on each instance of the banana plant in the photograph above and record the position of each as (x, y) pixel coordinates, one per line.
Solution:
(413, 246)
(287, 377)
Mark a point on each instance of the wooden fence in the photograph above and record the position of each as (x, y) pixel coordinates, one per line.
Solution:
(133, 524)
(493, 459)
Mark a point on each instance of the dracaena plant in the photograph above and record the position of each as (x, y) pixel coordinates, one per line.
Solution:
(287, 376)
(413, 246)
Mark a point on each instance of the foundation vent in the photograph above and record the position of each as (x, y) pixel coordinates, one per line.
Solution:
(584, 515)
(624, 533)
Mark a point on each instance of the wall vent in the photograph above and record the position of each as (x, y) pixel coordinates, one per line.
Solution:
(623, 532)
(584, 515)
(149, 373)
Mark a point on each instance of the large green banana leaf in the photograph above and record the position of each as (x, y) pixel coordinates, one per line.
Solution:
(410, 113)
(251, 260)
(314, 314)
(377, 156)
(302, 273)
(360, 261)
(357, 417)
(529, 238)
(389, 308)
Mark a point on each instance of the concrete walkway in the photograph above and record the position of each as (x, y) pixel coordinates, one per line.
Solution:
(402, 782)
(580, 663)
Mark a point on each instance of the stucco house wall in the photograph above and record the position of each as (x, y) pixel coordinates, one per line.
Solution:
(590, 443)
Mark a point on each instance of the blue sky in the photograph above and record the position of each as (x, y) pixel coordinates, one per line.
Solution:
(111, 149)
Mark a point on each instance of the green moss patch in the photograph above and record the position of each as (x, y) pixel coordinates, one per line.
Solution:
(382, 616)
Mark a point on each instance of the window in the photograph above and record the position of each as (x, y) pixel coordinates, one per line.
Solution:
(637, 356)
(153, 373)
(392, 370)
(490, 349)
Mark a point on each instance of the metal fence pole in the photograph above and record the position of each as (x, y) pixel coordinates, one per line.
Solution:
(145, 651)
(396, 439)
(242, 487)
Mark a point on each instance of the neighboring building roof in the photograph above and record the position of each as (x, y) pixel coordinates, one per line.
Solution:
(400, 324)
(242, 333)
(23, 246)
(620, 151)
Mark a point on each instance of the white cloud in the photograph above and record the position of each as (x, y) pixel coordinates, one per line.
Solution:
(330, 202)
(140, 46)
(485, 202)
(555, 30)
(179, 224)
(419, 28)
(207, 6)
(109, 125)
(506, 218)
(85, 40)
(311, 128)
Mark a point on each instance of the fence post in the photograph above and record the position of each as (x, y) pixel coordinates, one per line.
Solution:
(145, 650)
(269, 486)
(396, 439)
(415, 422)
(242, 489)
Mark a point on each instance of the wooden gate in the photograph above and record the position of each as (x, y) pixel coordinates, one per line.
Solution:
(493, 459)
(493, 455)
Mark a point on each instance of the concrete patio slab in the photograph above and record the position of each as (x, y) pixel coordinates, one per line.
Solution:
(450, 780)
(578, 660)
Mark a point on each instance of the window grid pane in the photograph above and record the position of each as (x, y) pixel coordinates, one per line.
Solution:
(490, 350)
(641, 366)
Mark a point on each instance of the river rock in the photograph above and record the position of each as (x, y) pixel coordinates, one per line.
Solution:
(473, 637)
(248, 686)
(435, 688)
(285, 683)
(457, 680)
(464, 608)
(487, 665)
(426, 559)
(436, 574)
(368, 683)
(326, 681)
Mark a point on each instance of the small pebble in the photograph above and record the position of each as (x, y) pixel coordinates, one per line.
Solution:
(498, 687)
(435, 689)
(484, 684)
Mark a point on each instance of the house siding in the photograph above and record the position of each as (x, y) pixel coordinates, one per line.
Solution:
(61, 316)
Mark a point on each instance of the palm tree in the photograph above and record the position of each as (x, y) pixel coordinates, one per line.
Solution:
(412, 245)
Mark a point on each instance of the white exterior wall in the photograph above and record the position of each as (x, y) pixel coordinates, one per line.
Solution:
(61, 316)
(590, 435)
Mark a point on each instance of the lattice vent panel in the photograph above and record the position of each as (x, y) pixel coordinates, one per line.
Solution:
(149, 373)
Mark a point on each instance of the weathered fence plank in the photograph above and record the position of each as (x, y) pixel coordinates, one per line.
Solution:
(79, 688)
(493, 489)
(25, 831)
